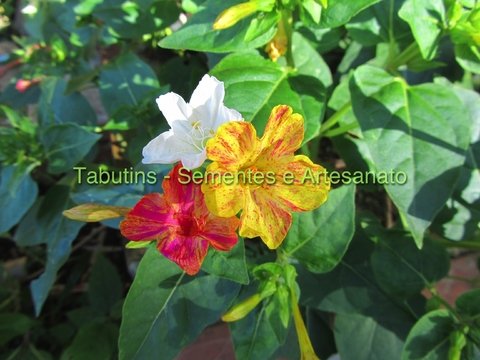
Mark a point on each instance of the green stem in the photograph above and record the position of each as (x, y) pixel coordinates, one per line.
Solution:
(410, 53)
(341, 130)
(471, 245)
(333, 120)
(287, 26)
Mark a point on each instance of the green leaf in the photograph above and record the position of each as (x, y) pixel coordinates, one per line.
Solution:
(104, 285)
(308, 61)
(422, 131)
(65, 145)
(468, 57)
(427, 19)
(401, 269)
(468, 304)
(13, 325)
(55, 107)
(254, 86)
(126, 82)
(362, 338)
(165, 306)
(97, 341)
(429, 339)
(339, 12)
(380, 23)
(351, 289)
(261, 24)
(254, 336)
(320, 238)
(17, 194)
(459, 218)
(44, 224)
(230, 265)
(130, 20)
(198, 33)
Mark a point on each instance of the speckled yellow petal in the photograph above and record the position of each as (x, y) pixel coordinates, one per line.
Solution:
(262, 216)
(234, 145)
(222, 199)
(283, 133)
(301, 185)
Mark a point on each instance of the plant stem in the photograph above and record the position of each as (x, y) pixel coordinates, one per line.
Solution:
(471, 245)
(410, 53)
(341, 130)
(286, 22)
(333, 120)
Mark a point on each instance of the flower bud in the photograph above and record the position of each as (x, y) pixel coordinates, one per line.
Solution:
(241, 310)
(234, 14)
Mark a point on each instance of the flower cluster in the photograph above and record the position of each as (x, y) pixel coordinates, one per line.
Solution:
(187, 218)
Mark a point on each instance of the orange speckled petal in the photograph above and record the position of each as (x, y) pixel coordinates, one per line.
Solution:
(222, 199)
(309, 188)
(283, 133)
(234, 145)
(263, 217)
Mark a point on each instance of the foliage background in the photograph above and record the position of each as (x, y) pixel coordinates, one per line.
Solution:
(382, 85)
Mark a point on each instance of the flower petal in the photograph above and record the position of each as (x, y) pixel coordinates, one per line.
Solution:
(308, 189)
(150, 217)
(207, 104)
(188, 252)
(283, 133)
(180, 193)
(222, 199)
(193, 160)
(176, 111)
(221, 232)
(263, 217)
(165, 149)
(234, 145)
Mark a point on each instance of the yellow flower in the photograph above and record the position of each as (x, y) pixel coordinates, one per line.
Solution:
(269, 179)
(234, 14)
(305, 345)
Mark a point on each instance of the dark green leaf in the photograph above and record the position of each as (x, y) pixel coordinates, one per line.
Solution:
(93, 341)
(403, 270)
(17, 194)
(429, 339)
(459, 218)
(362, 338)
(320, 238)
(104, 285)
(65, 145)
(230, 265)
(422, 131)
(254, 336)
(165, 306)
(13, 325)
(44, 224)
(126, 83)
(55, 107)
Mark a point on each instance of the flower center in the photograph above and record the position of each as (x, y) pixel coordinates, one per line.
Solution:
(188, 225)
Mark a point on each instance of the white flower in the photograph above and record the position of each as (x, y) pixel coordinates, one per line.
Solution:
(191, 125)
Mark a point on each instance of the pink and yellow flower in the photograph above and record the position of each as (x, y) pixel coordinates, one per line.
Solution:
(266, 207)
(179, 221)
